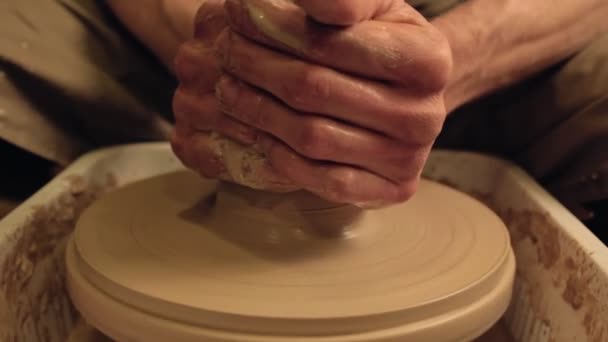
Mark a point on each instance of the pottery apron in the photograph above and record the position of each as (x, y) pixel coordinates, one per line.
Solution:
(72, 79)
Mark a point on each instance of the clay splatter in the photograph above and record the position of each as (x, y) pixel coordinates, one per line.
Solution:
(32, 287)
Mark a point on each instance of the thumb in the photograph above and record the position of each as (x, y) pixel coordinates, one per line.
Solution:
(346, 12)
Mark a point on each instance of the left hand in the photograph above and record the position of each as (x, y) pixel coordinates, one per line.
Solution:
(349, 113)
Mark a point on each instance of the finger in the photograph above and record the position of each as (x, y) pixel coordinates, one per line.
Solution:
(405, 49)
(217, 157)
(209, 21)
(202, 113)
(320, 138)
(345, 12)
(315, 89)
(248, 166)
(193, 150)
(196, 67)
(337, 183)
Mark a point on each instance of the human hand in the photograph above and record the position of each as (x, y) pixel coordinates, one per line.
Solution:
(204, 139)
(349, 113)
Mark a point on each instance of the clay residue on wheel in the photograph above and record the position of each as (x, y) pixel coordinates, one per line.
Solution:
(572, 293)
(34, 305)
(525, 224)
(537, 227)
(573, 273)
(581, 292)
(572, 270)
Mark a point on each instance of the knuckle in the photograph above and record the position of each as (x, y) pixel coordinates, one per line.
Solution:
(405, 191)
(272, 151)
(343, 12)
(181, 105)
(437, 66)
(179, 146)
(176, 144)
(421, 127)
(309, 85)
(427, 63)
(238, 14)
(409, 166)
(435, 124)
(256, 115)
(228, 91)
(223, 50)
(430, 126)
(195, 66)
(246, 105)
(192, 109)
(402, 170)
(313, 139)
(182, 63)
(187, 61)
(198, 154)
(231, 53)
(341, 182)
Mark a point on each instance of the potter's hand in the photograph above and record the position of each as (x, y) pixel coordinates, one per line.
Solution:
(349, 113)
(205, 139)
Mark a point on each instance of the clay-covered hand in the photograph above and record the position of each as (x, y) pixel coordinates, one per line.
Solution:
(204, 139)
(349, 108)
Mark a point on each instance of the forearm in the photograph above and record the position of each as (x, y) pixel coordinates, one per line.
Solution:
(161, 25)
(496, 43)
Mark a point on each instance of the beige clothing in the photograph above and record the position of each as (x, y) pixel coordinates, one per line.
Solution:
(70, 80)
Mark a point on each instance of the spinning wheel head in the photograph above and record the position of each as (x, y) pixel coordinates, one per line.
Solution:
(173, 258)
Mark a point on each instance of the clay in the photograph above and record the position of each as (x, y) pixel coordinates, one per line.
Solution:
(32, 285)
(557, 255)
(185, 259)
(247, 166)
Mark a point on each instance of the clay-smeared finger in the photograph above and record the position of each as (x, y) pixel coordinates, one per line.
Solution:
(405, 49)
(193, 150)
(217, 157)
(317, 137)
(334, 182)
(317, 89)
(202, 113)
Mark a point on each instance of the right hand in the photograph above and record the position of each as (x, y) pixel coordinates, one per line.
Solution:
(205, 140)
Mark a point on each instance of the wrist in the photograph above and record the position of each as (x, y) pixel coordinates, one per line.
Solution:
(498, 43)
(469, 53)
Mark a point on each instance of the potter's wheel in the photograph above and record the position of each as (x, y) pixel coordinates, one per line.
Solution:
(166, 260)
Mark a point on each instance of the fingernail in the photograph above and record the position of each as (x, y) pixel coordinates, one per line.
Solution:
(227, 91)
